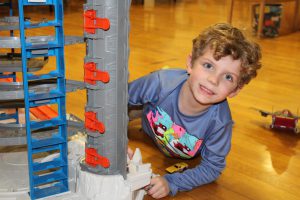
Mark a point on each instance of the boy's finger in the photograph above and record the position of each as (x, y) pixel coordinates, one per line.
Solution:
(129, 153)
(148, 187)
(153, 189)
(156, 193)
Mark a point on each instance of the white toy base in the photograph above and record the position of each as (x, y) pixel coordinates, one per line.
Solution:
(83, 185)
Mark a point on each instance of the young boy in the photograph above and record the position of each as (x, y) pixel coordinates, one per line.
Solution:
(186, 112)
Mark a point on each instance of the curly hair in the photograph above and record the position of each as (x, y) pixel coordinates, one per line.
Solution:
(226, 40)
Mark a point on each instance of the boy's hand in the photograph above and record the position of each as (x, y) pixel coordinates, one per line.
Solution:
(130, 153)
(159, 187)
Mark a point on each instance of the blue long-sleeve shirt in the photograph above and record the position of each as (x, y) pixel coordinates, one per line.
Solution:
(177, 135)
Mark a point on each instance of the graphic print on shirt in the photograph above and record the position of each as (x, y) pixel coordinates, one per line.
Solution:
(173, 140)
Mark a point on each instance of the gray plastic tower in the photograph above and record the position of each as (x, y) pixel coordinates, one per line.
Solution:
(106, 109)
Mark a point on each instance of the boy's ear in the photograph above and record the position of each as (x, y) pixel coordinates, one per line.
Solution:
(235, 92)
(189, 63)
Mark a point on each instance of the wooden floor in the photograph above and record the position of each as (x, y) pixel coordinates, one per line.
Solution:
(263, 164)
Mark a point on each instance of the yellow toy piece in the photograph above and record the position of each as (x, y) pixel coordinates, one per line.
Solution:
(178, 167)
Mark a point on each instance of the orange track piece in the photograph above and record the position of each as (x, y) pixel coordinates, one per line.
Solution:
(43, 112)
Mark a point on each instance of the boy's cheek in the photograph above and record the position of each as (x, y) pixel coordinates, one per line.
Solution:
(234, 93)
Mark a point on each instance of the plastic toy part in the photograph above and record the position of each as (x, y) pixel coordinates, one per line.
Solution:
(9, 23)
(91, 74)
(178, 167)
(93, 186)
(93, 159)
(139, 174)
(108, 50)
(15, 134)
(12, 62)
(14, 90)
(92, 123)
(284, 122)
(282, 119)
(45, 178)
(91, 22)
(14, 42)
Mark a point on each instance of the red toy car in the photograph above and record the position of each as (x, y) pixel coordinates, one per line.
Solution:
(282, 119)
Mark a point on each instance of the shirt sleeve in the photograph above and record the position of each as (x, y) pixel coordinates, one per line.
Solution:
(213, 154)
(144, 90)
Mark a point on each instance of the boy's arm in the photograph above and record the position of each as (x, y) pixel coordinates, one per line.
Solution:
(212, 164)
(144, 90)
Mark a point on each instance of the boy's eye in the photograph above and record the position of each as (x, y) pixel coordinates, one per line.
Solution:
(228, 77)
(207, 65)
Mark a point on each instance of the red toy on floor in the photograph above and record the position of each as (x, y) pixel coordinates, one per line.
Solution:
(282, 119)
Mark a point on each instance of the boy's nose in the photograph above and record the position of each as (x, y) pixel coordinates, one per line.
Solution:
(213, 79)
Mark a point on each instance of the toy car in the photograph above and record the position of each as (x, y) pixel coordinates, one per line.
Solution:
(283, 119)
(178, 167)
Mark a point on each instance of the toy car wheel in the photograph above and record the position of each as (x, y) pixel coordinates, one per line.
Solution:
(296, 130)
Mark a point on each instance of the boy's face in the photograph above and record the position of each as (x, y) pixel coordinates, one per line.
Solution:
(212, 81)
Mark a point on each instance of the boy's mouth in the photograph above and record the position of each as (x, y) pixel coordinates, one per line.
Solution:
(206, 91)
